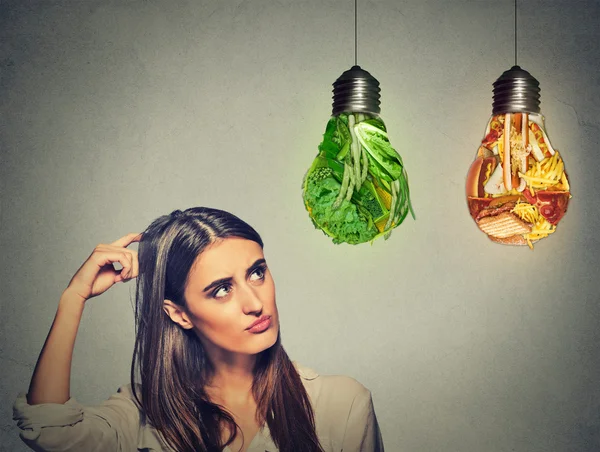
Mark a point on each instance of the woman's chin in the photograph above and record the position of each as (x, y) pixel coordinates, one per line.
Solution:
(265, 340)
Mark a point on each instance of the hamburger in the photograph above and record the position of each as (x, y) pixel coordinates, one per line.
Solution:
(499, 222)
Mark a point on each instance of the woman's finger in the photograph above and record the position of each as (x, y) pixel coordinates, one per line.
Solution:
(134, 270)
(128, 239)
(125, 259)
(106, 258)
(136, 264)
(102, 257)
(127, 264)
(98, 273)
(104, 253)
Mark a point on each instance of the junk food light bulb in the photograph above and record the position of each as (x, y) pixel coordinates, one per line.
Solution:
(517, 188)
(356, 189)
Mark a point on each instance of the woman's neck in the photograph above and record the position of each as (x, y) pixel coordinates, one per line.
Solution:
(231, 387)
(232, 378)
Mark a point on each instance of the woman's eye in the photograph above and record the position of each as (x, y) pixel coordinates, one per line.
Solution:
(222, 292)
(258, 274)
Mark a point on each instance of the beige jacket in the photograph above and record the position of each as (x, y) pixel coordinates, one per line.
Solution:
(344, 416)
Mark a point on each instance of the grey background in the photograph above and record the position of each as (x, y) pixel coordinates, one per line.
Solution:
(115, 112)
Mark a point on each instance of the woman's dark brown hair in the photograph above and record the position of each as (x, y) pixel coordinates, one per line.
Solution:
(171, 363)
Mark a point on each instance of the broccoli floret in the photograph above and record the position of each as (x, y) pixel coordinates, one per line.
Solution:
(369, 202)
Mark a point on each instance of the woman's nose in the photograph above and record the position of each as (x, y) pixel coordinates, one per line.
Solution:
(251, 303)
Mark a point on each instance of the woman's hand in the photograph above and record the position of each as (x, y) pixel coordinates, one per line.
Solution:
(98, 274)
(51, 378)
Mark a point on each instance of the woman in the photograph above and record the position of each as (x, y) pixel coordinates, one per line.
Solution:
(208, 357)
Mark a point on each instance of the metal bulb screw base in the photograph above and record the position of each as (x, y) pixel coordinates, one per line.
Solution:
(356, 91)
(516, 90)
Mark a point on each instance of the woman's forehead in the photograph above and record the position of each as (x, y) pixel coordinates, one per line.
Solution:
(224, 257)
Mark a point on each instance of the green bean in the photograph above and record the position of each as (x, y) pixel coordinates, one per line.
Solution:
(350, 191)
(355, 147)
(365, 164)
(345, 180)
(343, 132)
(401, 202)
(351, 173)
(392, 208)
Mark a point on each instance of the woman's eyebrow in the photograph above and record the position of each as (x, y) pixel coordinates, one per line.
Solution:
(257, 263)
(218, 282)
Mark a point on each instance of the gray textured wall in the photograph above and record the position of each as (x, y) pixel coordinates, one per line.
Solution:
(115, 112)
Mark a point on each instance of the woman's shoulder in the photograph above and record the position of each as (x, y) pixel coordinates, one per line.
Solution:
(117, 422)
(343, 409)
(148, 438)
(330, 386)
(126, 391)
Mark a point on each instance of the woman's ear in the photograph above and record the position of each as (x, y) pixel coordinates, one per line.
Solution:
(177, 314)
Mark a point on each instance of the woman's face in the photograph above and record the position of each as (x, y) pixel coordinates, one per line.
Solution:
(230, 299)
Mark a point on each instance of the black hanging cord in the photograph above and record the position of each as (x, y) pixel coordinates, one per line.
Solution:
(515, 32)
(356, 32)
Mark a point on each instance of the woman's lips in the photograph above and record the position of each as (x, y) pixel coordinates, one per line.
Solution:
(260, 325)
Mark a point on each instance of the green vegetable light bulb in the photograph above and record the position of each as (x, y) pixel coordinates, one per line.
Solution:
(357, 188)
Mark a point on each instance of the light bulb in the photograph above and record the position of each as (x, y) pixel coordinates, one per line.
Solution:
(517, 188)
(356, 189)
